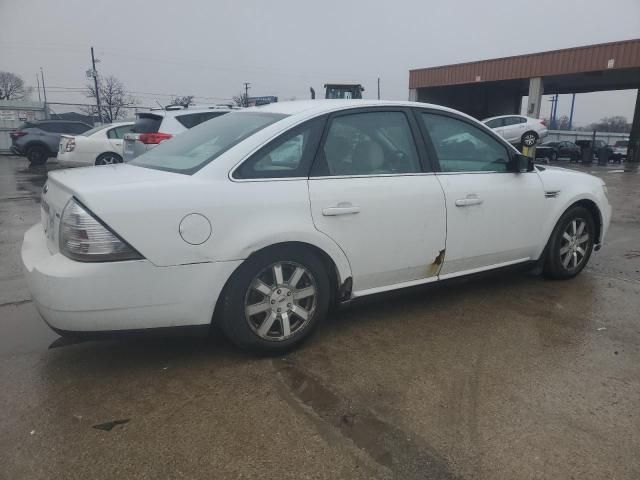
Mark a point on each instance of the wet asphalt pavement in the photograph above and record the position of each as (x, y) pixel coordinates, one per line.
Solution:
(507, 376)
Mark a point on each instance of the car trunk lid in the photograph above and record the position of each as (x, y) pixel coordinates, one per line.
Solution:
(90, 185)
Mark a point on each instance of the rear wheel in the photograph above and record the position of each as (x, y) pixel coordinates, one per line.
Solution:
(570, 245)
(275, 300)
(37, 155)
(108, 158)
(529, 139)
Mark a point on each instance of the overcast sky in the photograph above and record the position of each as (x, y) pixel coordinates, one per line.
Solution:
(208, 48)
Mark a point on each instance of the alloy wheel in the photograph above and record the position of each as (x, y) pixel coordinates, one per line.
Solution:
(280, 301)
(108, 160)
(529, 139)
(574, 244)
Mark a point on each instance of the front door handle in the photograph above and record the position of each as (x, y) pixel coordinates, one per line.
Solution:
(340, 209)
(470, 200)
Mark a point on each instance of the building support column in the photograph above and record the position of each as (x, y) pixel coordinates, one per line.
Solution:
(413, 94)
(633, 152)
(536, 90)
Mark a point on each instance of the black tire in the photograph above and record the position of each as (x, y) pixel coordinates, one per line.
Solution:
(108, 158)
(37, 155)
(554, 267)
(236, 324)
(554, 156)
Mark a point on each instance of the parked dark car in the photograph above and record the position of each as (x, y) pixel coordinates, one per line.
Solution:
(598, 147)
(620, 150)
(38, 140)
(554, 150)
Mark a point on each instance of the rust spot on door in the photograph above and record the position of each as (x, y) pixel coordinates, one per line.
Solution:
(434, 267)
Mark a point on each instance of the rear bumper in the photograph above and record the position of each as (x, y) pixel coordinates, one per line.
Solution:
(112, 296)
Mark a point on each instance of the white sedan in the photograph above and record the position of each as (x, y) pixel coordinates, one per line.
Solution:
(99, 146)
(259, 219)
(518, 129)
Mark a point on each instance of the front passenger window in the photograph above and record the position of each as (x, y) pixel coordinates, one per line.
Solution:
(463, 147)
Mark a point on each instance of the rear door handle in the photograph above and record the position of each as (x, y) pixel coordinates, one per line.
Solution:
(470, 200)
(340, 209)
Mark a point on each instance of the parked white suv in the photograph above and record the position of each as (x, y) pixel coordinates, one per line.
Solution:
(156, 126)
(518, 129)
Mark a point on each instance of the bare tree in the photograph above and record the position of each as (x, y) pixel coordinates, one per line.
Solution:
(241, 100)
(12, 87)
(616, 123)
(114, 99)
(185, 101)
(563, 123)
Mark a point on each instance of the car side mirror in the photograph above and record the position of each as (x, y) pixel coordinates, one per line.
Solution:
(520, 163)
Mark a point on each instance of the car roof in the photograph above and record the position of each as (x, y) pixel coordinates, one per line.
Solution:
(317, 107)
(35, 122)
(184, 111)
(503, 116)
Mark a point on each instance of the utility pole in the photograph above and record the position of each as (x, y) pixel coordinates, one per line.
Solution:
(378, 88)
(573, 102)
(94, 74)
(246, 93)
(38, 82)
(44, 91)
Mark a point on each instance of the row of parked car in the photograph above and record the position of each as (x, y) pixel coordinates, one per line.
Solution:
(78, 144)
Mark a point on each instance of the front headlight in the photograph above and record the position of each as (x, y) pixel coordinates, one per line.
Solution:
(85, 239)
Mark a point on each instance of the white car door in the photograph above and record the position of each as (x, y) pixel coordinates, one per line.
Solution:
(493, 215)
(513, 129)
(369, 193)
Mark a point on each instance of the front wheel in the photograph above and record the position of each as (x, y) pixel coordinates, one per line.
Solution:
(108, 158)
(529, 139)
(275, 300)
(570, 245)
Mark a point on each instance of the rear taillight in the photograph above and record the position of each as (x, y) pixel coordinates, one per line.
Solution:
(85, 239)
(17, 134)
(543, 122)
(71, 145)
(153, 138)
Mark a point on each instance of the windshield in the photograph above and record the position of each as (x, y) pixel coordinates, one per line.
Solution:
(190, 151)
(622, 143)
(88, 133)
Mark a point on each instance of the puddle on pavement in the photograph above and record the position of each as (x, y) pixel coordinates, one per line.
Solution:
(385, 443)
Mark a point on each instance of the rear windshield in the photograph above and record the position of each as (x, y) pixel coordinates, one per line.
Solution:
(94, 130)
(622, 143)
(190, 151)
(193, 119)
(147, 123)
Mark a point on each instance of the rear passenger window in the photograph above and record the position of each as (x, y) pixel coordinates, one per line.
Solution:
(290, 155)
(147, 123)
(373, 143)
(117, 133)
